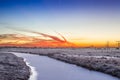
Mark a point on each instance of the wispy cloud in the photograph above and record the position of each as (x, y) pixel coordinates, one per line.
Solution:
(46, 40)
(43, 34)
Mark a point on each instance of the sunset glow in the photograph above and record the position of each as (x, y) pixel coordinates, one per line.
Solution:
(59, 23)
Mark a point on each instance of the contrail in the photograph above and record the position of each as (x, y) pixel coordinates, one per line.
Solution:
(62, 37)
(45, 35)
(53, 37)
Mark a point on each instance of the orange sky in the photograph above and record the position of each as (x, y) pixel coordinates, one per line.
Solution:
(47, 41)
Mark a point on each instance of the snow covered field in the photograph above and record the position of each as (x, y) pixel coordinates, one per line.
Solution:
(104, 60)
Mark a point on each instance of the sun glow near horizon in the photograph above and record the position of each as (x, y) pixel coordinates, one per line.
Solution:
(50, 41)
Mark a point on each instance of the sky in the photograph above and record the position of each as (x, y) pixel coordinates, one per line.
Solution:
(81, 22)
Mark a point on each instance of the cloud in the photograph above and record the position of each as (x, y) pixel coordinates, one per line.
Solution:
(42, 40)
(43, 34)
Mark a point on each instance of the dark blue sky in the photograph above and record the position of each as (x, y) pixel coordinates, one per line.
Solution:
(43, 4)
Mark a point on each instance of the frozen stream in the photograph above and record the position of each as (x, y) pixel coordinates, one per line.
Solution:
(51, 69)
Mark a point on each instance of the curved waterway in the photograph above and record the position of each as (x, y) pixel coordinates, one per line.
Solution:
(45, 68)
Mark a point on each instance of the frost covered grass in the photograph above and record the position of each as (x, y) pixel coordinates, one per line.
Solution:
(103, 60)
